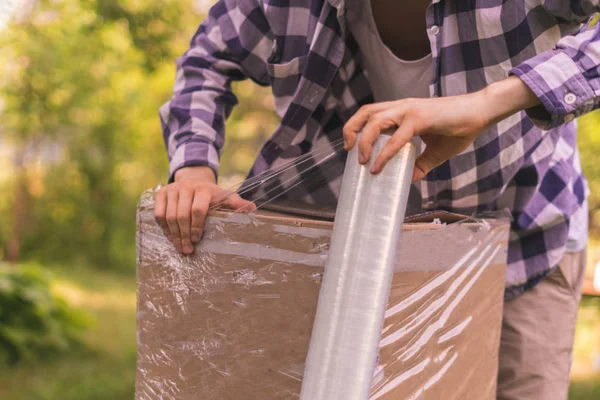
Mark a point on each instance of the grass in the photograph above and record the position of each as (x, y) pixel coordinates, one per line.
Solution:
(106, 371)
(585, 373)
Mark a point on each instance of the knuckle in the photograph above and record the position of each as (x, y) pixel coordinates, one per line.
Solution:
(184, 183)
(377, 118)
(188, 186)
(195, 185)
(199, 187)
(182, 217)
(198, 211)
(171, 218)
(369, 131)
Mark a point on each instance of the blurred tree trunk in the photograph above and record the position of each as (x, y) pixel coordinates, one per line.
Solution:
(19, 208)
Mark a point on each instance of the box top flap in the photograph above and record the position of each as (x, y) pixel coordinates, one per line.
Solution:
(429, 216)
(327, 212)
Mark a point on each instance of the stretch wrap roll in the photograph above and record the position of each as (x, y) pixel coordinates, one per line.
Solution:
(347, 330)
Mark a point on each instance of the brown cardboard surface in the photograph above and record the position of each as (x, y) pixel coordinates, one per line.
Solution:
(233, 320)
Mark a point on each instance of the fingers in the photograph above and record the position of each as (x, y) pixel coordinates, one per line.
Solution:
(377, 122)
(171, 216)
(357, 121)
(184, 211)
(200, 207)
(181, 210)
(235, 202)
(402, 135)
(160, 211)
(426, 162)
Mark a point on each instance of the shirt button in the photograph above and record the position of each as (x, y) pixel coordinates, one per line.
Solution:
(434, 30)
(569, 117)
(570, 98)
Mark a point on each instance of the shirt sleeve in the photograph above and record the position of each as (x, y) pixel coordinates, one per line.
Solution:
(567, 78)
(232, 44)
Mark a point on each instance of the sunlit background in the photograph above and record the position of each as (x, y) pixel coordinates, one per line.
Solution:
(80, 86)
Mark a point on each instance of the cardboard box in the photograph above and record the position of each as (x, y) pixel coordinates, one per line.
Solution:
(233, 320)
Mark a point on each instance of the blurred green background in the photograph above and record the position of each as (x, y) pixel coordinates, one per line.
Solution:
(80, 86)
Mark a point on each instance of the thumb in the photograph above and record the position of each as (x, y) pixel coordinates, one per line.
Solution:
(235, 202)
(426, 162)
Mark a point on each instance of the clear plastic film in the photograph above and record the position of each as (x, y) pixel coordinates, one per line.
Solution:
(233, 320)
(347, 329)
(289, 179)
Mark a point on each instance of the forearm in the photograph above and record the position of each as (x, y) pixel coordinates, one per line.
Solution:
(193, 121)
(505, 98)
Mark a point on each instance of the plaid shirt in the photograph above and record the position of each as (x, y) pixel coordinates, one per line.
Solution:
(528, 163)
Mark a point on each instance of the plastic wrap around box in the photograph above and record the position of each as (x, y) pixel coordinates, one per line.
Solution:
(233, 320)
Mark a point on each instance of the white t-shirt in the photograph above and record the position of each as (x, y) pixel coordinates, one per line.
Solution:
(392, 78)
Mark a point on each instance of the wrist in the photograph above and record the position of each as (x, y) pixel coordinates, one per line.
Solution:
(200, 173)
(506, 97)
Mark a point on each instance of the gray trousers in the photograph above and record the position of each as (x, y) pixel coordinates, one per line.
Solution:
(538, 330)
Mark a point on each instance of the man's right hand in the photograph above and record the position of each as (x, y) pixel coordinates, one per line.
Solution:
(181, 207)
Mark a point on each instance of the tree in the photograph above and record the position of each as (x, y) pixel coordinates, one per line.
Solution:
(83, 84)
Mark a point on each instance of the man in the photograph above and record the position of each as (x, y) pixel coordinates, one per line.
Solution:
(491, 88)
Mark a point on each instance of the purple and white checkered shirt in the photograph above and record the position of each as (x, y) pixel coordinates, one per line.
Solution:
(303, 50)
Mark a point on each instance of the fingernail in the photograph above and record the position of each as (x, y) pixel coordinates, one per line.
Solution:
(362, 158)
(188, 249)
(195, 238)
(178, 248)
(169, 238)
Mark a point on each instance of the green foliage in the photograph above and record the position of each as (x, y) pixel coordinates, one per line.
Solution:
(34, 322)
(81, 108)
(105, 369)
(589, 147)
(81, 83)
(585, 389)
